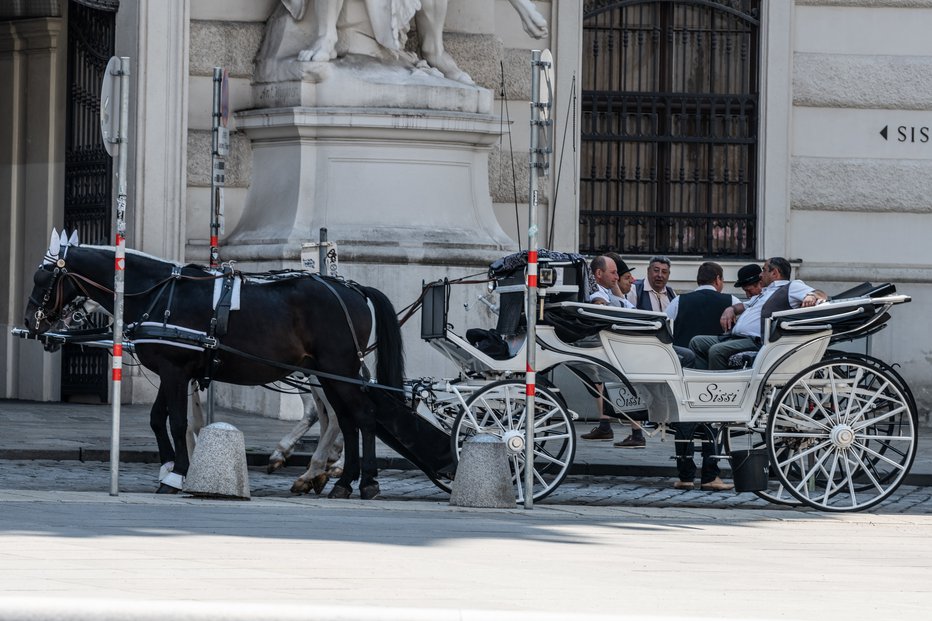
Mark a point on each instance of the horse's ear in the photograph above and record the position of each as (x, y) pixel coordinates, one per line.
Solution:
(51, 255)
(73, 240)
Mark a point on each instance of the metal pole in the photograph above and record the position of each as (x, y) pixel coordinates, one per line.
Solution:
(217, 181)
(530, 377)
(214, 160)
(119, 277)
(322, 252)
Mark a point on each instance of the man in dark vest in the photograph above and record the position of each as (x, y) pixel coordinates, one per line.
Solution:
(694, 313)
(652, 292)
(700, 311)
(744, 321)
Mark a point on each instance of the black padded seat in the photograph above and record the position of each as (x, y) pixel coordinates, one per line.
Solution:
(573, 321)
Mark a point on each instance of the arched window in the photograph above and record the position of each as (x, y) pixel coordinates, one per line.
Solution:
(669, 127)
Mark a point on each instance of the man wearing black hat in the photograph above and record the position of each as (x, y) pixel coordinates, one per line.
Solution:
(749, 280)
(745, 321)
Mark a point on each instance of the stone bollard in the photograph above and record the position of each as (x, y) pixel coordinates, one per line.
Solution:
(218, 466)
(483, 478)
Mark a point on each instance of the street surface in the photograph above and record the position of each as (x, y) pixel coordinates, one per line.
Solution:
(635, 549)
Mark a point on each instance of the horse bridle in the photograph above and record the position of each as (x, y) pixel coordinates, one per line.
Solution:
(56, 282)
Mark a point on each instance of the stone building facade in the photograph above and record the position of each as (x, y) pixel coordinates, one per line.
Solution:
(844, 152)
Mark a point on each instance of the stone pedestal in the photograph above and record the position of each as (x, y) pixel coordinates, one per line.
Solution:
(396, 185)
(218, 465)
(483, 478)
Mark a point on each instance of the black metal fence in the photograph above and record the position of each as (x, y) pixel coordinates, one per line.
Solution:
(669, 127)
(88, 174)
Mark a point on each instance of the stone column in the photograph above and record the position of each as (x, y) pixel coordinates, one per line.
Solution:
(31, 189)
(154, 34)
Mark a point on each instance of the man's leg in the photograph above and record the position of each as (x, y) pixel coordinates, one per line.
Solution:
(710, 470)
(719, 353)
(683, 447)
(700, 346)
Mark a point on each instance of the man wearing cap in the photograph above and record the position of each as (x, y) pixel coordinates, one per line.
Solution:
(744, 321)
(749, 280)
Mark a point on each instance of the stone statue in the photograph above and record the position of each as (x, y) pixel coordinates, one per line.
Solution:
(336, 28)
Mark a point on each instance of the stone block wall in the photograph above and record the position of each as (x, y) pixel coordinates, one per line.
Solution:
(861, 160)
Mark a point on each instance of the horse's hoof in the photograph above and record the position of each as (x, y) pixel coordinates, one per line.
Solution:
(167, 489)
(319, 483)
(300, 487)
(340, 492)
(369, 492)
(275, 463)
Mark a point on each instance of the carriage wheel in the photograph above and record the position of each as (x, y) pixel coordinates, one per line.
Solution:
(500, 409)
(850, 432)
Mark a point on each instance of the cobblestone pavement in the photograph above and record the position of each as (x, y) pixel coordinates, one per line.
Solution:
(587, 490)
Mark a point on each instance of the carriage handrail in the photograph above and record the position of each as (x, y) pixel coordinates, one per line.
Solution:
(810, 323)
(636, 328)
(646, 324)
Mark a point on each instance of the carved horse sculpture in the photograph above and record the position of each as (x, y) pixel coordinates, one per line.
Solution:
(283, 324)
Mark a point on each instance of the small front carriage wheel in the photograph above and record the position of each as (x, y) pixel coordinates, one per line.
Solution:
(500, 409)
(852, 431)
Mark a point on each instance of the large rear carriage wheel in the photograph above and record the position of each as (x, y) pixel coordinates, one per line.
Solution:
(500, 409)
(842, 435)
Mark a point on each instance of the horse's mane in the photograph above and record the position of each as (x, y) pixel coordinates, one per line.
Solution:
(150, 257)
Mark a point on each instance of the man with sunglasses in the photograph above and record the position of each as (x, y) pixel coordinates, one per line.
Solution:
(743, 322)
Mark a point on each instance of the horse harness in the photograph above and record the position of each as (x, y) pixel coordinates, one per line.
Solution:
(164, 332)
(219, 322)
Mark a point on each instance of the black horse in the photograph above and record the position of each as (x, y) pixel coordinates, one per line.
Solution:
(283, 323)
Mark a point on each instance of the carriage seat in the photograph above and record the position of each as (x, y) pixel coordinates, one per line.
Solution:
(573, 321)
(838, 316)
(742, 360)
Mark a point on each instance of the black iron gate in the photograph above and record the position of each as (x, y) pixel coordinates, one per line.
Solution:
(88, 172)
(669, 127)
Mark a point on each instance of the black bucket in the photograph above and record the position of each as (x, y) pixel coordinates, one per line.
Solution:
(750, 470)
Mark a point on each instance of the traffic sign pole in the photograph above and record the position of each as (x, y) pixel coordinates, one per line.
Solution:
(122, 153)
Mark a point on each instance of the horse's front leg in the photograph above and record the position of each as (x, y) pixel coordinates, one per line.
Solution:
(176, 403)
(330, 441)
(285, 446)
(158, 418)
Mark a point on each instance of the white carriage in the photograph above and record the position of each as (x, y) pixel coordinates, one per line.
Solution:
(840, 429)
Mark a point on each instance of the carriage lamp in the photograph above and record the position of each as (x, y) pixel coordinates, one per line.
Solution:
(547, 277)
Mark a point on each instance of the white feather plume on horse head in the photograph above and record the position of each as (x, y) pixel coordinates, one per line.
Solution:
(58, 246)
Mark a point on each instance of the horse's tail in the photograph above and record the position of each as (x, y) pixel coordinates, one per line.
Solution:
(390, 354)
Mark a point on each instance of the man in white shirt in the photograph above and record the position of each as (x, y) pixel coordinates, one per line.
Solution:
(614, 280)
(743, 320)
(612, 277)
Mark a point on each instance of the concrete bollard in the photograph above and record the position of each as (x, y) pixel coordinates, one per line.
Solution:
(218, 466)
(483, 478)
